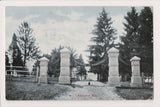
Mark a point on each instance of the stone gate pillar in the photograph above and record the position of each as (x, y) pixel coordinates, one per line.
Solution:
(113, 79)
(64, 77)
(136, 79)
(43, 70)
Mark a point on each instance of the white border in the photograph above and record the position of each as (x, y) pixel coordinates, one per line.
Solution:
(70, 103)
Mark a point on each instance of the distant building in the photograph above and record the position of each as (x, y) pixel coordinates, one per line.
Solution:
(91, 76)
(74, 72)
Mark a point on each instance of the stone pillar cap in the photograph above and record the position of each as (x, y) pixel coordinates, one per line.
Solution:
(135, 58)
(113, 50)
(65, 50)
(43, 59)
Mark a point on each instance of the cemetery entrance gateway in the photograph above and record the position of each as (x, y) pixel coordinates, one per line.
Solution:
(113, 79)
(64, 77)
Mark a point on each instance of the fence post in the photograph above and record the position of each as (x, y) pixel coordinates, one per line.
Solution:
(43, 70)
(113, 79)
(11, 69)
(143, 79)
(136, 79)
(37, 73)
(64, 77)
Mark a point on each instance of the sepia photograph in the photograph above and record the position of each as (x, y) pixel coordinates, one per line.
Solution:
(79, 53)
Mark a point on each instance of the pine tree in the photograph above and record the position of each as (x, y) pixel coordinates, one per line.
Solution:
(54, 62)
(27, 42)
(15, 52)
(72, 57)
(7, 61)
(146, 40)
(138, 40)
(130, 41)
(104, 40)
(82, 70)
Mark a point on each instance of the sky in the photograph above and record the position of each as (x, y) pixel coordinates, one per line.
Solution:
(66, 26)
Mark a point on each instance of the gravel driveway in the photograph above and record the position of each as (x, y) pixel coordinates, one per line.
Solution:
(95, 91)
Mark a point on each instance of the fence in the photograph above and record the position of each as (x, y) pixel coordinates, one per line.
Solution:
(147, 79)
(17, 71)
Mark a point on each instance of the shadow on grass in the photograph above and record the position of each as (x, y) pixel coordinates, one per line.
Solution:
(33, 91)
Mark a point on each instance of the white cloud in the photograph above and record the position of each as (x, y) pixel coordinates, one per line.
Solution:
(59, 13)
(72, 16)
(75, 16)
(31, 17)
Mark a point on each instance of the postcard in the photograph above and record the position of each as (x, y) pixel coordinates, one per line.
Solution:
(79, 51)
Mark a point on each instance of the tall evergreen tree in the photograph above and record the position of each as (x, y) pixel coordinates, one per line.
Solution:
(82, 70)
(146, 39)
(54, 62)
(7, 61)
(137, 40)
(130, 40)
(72, 57)
(15, 52)
(104, 40)
(27, 42)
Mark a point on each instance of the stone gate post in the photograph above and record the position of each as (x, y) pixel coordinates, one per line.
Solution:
(136, 79)
(43, 70)
(64, 77)
(113, 79)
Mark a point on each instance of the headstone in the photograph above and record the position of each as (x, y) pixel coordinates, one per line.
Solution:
(64, 77)
(43, 70)
(113, 79)
(136, 79)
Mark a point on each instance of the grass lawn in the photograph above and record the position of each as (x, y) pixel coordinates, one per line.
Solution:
(33, 91)
(134, 94)
(26, 88)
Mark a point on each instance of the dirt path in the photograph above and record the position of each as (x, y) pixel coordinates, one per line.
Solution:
(95, 91)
